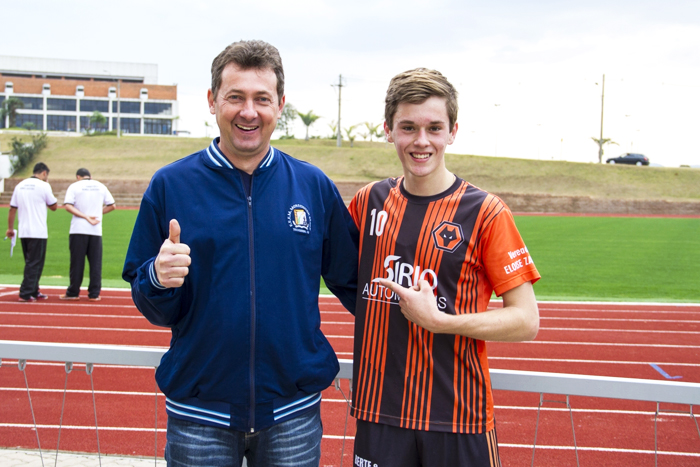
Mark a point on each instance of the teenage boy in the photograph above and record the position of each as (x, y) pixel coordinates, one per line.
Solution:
(228, 250)
(433, 249)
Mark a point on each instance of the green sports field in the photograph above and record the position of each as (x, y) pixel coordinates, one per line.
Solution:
(580, 258)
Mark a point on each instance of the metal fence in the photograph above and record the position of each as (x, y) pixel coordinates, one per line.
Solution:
(524, 381)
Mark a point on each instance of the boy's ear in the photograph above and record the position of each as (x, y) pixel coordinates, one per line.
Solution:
(387, 132)
(453, 134)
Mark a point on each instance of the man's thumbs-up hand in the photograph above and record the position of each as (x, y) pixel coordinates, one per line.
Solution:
(173, 260)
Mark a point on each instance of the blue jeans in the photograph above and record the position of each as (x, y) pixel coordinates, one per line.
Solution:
(294, 443)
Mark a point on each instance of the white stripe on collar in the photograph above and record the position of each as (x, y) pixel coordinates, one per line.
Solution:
(268, 157)
(220, 160)
(214, 152)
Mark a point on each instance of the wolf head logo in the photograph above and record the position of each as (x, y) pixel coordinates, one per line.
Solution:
(448, 236)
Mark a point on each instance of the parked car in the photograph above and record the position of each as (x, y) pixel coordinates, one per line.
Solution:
(629, 158)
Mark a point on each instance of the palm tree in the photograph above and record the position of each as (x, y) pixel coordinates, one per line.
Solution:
(602, 142)
(308, 118)
(96, 120)
(349, 131)
(334, 130)
(372, 129)
(9, 109)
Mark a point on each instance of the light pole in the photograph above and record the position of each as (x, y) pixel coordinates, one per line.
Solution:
(339, 141)
(602, 106)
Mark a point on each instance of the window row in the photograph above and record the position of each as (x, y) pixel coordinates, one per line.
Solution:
(69, 123)
(92, 105)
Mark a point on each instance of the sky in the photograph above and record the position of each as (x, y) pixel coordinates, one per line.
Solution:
(529, 74)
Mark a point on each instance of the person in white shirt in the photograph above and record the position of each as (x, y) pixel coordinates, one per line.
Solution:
(87, 200)
(30, 200)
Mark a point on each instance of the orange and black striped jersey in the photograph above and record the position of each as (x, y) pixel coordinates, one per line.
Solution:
(465, 244)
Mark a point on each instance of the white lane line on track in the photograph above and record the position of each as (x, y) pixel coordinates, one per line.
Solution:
(613, 344)
(653, 331)
(77, 328)
(90, 305)
(573, 360)
(11, 292)
(624, 320)
(84, 391)
(600, 449)
(69, 315)
(78, 427)
(631, 310)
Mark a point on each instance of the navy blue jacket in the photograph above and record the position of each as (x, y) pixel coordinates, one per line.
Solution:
(247, 349)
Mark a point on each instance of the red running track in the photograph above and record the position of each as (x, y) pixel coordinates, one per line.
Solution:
(609, 339)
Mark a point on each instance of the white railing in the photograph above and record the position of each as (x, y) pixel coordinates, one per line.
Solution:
(510, 380)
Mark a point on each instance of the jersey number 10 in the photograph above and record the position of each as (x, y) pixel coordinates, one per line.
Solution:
(378, 222)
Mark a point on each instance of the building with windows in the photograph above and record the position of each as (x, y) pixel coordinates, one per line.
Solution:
(63, 95)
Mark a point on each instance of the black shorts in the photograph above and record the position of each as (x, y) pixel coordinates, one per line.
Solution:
(379, 445)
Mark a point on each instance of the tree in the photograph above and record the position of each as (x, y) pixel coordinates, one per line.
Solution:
(349, 132)
(373, 130)
(286, 121)
(97, 120)
(24, 152)
(9, 109)
(602, 142)
(308, 118)
(334, 130)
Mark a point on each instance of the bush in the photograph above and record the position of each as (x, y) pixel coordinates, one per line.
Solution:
(25, 152)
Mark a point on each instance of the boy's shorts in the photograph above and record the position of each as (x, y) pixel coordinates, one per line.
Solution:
(379, 445)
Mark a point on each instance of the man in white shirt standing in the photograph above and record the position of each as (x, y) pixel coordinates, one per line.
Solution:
(87, 200)
(30, 200)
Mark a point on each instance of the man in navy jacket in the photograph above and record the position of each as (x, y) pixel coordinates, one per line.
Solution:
(228, 251)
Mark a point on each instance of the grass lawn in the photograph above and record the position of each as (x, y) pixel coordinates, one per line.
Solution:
(614, 258)
(116, 232)
(580, 258)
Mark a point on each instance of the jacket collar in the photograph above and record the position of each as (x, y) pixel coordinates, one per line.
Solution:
(216, 157)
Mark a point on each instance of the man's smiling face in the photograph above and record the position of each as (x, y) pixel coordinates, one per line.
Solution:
(247, 109)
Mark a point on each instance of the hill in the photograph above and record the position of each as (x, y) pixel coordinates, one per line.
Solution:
(137, 158)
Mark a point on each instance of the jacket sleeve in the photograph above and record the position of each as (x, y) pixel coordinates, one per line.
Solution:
(340, 252)
(161, 306)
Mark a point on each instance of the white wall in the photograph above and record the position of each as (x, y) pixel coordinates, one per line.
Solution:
(5, 167)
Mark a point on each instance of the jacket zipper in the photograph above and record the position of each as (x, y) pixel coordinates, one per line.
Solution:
(251, 250)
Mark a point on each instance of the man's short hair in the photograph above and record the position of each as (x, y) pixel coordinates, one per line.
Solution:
(248, 55)
(40, 167)
(82, 172)
(415, 87)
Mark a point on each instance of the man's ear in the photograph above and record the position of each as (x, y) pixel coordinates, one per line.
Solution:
(210, 100)
(282, 102)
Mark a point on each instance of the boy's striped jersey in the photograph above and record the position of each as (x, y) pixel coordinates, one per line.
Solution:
(465, 244)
